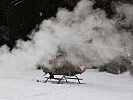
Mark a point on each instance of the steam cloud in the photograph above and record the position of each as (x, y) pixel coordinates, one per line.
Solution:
(85, 34)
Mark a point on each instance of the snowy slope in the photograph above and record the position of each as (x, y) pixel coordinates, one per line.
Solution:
(95, 86)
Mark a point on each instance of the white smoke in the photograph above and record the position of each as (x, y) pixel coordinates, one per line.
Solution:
(85, 34)
(125, 11)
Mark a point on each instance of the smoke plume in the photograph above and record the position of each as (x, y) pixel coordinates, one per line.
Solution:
(86, 35)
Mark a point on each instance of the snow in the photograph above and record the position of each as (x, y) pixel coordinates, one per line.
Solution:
(95, 86)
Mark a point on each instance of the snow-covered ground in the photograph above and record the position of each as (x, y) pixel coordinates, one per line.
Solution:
(95, 86)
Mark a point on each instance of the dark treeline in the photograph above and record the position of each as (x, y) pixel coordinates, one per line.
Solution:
(19, 17)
